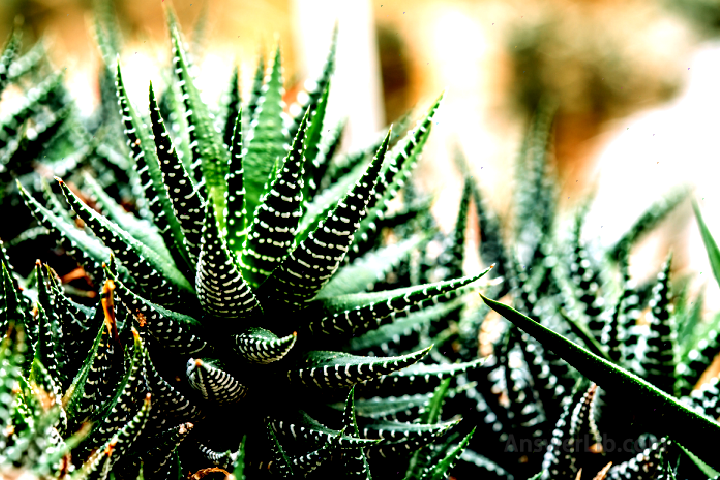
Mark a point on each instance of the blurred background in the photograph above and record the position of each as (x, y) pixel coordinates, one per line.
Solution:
(635, 81)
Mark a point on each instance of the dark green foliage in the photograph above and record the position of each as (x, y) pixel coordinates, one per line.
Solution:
(252, 307)
(209, 344)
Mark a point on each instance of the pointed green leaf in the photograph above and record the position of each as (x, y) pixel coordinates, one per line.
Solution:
(311, 264)
(141, 230)
(81, 393)
(208, 376)
(316, 122)
(679, 422)
(148, 168)
(125, 402)
(267, 138)
(187, 204)
(658, 360)
(317, 87)
(235, 211)
(404, 157)
(123, 440)
(169, 403)
(710, 244)
(161, 281)
(233, 108)
(42, 94)
(442, 469)
(277, 215)
(281, 464)
(336, 369)
(401, 324)
(648, 220)
(9, 52)
(329, 143)
(418, 378)
(456, 252)
(158, 460)
(219, 283)
(205, 143)
(258, 345)
(173, 330)
(13, 351)
(359, 312)
(257, 88)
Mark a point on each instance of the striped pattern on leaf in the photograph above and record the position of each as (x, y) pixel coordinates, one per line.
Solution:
(220, 285)
(276, 218)
(9, 52)
(36, 97)
(209, 155)
(363, 273)
(170, 403)
(336, 369)
(235, 211)
(141, 230)
(162, 282)
(45, 354)
(233, 108)
(456, 253)
(311, 264)
(158, 460)
(329, 143)
(353, 313)
(208, 377)
(441, 469)
(316, 88)
(267, 139)
(121, 442)
(258, 345)
(417, 378)
(127, 397)
(256, 90)
(177, 331)
(404, 156)
(355, 460)
(186, 202)
(658, 361)
(148, 169)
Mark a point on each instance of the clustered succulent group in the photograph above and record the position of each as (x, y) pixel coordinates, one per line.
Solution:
(222, 294)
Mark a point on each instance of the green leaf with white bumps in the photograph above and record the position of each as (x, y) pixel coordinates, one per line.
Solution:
(267, 139)
(158, 279)
(148, 168)
(235, 212)
(314, 260)
(219, 281)
(208, 151)
(277, 215)
(337, 369)
(258, 345)
(187, 202)
(208, 376)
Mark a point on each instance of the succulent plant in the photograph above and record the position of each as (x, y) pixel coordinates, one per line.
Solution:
(252, 306)
(524, 398)
(38, 123)
(223, 335)
(645, 352)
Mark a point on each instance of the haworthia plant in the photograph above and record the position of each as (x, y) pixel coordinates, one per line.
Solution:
(206, 305)
(229, 295)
